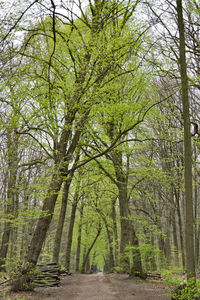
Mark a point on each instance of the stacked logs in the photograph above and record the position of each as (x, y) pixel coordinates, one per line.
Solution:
(49, 275)
(154, 276)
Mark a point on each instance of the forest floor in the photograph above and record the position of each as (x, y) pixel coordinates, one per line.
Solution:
(98, 287)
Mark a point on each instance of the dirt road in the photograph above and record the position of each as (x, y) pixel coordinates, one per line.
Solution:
(102, 287)
(99, 287)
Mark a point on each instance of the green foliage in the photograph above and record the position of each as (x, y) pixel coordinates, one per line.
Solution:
(3, 294)
(22, 277)
(28, 215)
(12, 264)
(118, 269)
(171, 274)
(187, 290)
(148, 253)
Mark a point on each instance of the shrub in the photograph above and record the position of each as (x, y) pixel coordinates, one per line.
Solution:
(187, 291)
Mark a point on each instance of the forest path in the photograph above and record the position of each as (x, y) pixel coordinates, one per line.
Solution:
(102, 287)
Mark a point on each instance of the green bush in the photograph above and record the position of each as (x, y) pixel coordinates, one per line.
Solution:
(189, 290)
(171, 274)
(118, 269)
(22, 277)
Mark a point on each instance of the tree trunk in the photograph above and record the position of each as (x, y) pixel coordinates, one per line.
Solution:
(61, 220)
(14, 232)
(136, 269)
(71, 226)
(125, 223)
(111, 257)
(12, 146)
(78, 250)
(4, 245)
(189, 230)
(44, 222)
(125, 228)
(110, 241)
(196, 212)
(180, 224)
(61, 170)
(115, 231)
(124, 209)
(86, 257)
(175, 240)
(168, 237)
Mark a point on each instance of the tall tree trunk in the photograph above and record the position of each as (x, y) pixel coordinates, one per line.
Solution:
(61, 170)
(86, 256)
(111, 257)
(168, 236)
(78, 249)
(44, 222)
(189, 230)
(12, 146)
(125, 228)
(71, 226)
(136, 269)
(125, 223)
(197, 245)
(196, 212)
(180, 224)
(14, 232)
(61, 220)
(110, 240)
(175, 240)
(115, 231)
(124, 209)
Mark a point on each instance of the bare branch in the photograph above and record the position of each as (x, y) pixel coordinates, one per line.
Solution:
(19, 19)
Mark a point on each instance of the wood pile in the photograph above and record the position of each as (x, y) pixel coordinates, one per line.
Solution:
(49, 275)
(153, 276)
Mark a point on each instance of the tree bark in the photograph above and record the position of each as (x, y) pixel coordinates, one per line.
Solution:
(181, 229)
(44, 222)
(189, 230)
(78, 250)
(12, 146)
(110, 241)
(61, 220)
(71, 226)
(60, 170)
(124, 209)
(115, 231)
(196, 214)
(86, 257)
(175, 240)
(136, 269)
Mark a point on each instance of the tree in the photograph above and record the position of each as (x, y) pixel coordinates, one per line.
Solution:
(76, 199)
(189, 230)
(131, 105)
(181, 43)
(88, 69)
(59, 230)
